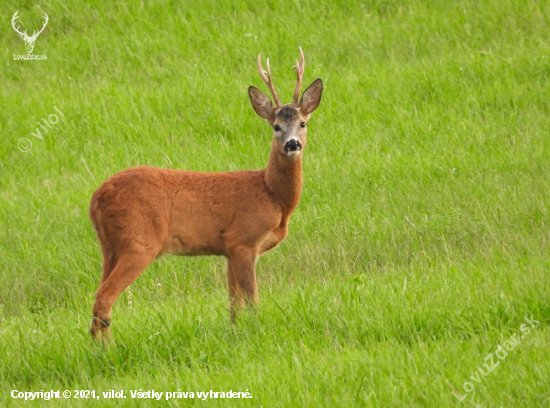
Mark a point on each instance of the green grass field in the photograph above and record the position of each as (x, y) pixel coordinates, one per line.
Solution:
(419, 246)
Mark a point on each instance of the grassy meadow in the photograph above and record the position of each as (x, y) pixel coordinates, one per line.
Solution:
(419, 246)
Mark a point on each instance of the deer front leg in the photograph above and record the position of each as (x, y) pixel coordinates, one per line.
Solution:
(241, 279)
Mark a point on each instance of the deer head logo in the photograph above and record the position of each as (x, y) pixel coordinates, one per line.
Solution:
(29, 41)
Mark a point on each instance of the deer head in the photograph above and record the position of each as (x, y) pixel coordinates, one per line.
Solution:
(289, 121)
(29, 41)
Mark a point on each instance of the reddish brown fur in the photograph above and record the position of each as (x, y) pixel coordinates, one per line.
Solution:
(144, 212)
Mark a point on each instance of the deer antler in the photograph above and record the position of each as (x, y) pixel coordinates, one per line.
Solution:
(299, 67)
(268, 81)
(36, 34)
(15, 17)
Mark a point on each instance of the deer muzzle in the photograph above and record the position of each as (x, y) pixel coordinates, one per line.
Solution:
(292, 147)
(29, 45)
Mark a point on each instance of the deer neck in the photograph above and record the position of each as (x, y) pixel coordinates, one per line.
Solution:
(283, 178)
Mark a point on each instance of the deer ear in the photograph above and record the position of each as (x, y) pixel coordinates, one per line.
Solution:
(311, 97)
(261, 103)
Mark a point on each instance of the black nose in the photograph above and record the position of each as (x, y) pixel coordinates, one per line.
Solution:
(292, 145)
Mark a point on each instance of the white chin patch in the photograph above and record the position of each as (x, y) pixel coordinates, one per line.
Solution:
(293, 152)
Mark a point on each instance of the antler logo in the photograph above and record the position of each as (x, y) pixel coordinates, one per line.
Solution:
(29, 41)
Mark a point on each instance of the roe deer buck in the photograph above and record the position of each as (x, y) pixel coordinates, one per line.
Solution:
(143, 212)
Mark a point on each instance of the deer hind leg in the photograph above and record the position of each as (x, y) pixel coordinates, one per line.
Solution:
(127, 269)
(109, 263)
(273, 238)
(241, 279)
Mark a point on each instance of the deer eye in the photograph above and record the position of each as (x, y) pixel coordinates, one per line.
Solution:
(276, 128)
(303, 124)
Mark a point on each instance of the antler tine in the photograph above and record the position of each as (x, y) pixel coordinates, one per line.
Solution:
(299, 75)
(43, 27)
(15, 17)
(269, 81)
